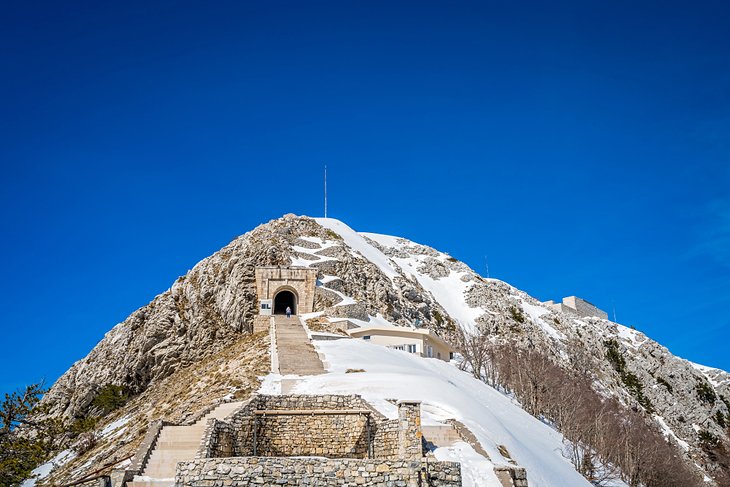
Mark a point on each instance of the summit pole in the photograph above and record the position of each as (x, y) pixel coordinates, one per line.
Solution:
(325, 191)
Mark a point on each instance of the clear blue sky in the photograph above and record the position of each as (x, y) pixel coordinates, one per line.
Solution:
(582, 146)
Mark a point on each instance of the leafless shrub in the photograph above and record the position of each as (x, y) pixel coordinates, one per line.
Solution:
(604, 440)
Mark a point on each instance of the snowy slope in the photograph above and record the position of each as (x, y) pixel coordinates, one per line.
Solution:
(356, 242)
(445, 392)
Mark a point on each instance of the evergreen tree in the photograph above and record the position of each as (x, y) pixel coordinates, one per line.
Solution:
(27, 435)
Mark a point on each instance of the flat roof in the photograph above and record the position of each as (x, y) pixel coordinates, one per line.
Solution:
(397, 331)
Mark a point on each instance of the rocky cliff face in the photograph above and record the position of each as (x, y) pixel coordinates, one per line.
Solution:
(375, 277)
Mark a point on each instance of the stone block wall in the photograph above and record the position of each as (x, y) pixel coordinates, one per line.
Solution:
(409, 430)
(218, 440)
(246, 471)
(296, 433)
(261, 323)
(511, 476)
(385, 441)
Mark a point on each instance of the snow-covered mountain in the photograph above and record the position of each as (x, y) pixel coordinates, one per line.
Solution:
(192, 347)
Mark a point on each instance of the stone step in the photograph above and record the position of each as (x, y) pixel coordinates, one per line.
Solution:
(174, 446)
(151, 483)
(296, 355)
(181, 435)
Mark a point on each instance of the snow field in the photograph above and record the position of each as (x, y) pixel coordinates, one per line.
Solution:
(445, 392)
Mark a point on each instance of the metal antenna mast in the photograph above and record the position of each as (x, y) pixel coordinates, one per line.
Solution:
(325, 190)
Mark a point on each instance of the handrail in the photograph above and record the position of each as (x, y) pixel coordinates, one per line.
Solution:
(309, 412)
(90, 476)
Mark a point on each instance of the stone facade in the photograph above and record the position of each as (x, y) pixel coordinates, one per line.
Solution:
(577, 306)
(214, 472)
(301, 281)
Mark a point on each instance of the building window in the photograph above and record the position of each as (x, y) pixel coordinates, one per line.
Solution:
(429, 351)
(366, 337)
(412, 348)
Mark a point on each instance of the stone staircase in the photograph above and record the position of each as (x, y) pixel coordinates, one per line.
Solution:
(296, 354)
(176, 444)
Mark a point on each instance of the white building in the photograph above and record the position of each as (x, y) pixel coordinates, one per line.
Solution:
(413, 340)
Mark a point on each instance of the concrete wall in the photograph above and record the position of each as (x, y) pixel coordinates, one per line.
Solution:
(234, 472)
(583, 307)
(577, 306)
(301, 280)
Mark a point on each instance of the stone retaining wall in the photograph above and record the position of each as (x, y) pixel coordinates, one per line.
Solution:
(215, 472)
(342, 435)
(385, 440)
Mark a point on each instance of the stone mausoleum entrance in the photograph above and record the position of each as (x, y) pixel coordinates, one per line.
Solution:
(280, 286)
(284, 299)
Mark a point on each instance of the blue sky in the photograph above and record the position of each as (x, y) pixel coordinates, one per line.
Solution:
(580, 148)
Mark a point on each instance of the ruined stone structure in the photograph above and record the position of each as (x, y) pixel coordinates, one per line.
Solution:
(577, 306)
(280, 287)
(263, 442)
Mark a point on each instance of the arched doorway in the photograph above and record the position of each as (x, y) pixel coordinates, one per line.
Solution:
(284, 299)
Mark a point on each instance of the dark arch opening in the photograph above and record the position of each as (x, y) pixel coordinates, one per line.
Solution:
(284, 299)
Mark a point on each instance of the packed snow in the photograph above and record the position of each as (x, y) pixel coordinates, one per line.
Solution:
(376, 321)
(445, 392)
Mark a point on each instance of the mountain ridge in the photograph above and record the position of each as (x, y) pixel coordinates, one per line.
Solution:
(213, 306)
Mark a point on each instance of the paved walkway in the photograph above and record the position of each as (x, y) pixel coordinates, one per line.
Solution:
(295, 351)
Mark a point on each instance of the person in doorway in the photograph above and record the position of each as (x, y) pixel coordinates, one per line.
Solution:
(288, 312)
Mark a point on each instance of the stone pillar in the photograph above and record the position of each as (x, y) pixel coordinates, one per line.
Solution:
(409, 430)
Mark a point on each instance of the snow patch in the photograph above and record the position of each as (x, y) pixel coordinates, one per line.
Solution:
(43, 471)
(667, 431)
(448, 291)
(356, 242)
(630, 337)
(111, 427)
(535, 313)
